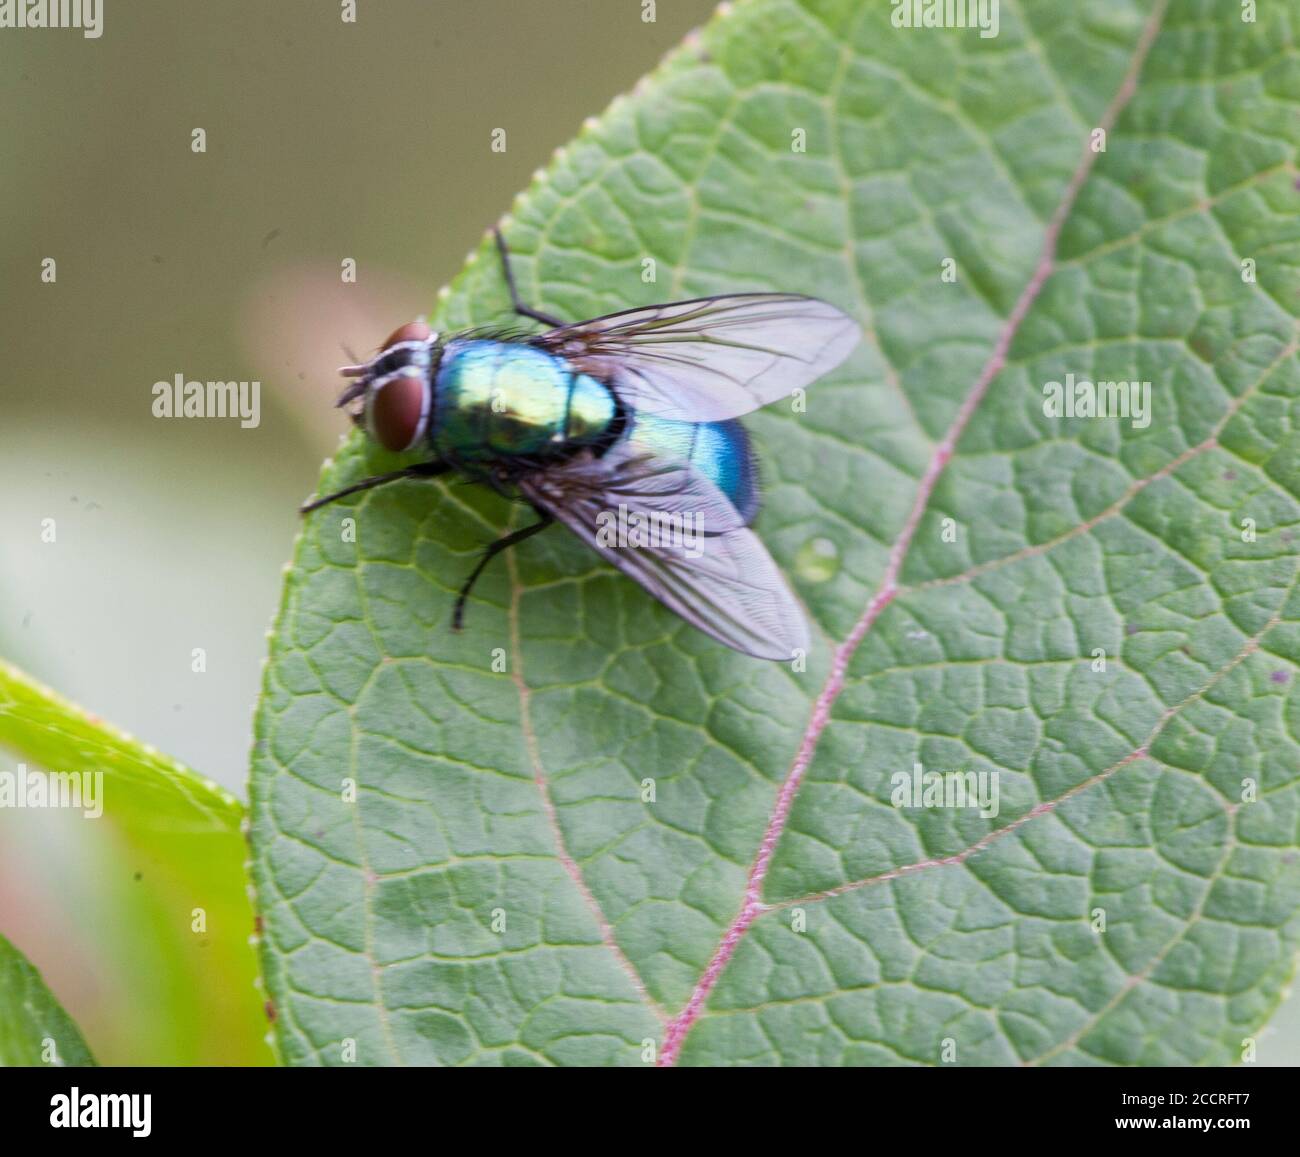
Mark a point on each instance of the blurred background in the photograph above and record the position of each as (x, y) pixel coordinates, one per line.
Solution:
(325, 141)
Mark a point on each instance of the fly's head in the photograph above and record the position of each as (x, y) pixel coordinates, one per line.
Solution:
(391, 395)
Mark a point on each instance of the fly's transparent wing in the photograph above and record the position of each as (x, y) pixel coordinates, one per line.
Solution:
(668, 527)
(712, 358)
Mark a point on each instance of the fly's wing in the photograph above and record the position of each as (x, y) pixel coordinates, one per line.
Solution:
(720, 578)
(712, 358)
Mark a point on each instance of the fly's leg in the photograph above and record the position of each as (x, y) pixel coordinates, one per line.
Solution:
(492, 550)
(519, 307)
(420, 470)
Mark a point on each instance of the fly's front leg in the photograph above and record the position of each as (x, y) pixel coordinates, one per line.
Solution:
(420, 470)
(519, 307)
(490, 552)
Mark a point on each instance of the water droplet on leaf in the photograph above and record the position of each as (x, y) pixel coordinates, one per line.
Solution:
(817, 561)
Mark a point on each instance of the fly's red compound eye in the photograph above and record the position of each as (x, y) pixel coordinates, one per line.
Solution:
(396, 412)
(411, 331)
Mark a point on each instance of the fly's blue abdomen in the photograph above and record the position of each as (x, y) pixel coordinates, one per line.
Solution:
(718, 450)
(497, 400)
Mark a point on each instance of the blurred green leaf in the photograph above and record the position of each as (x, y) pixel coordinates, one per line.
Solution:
(630, 833)
(189, 972)
(31, 1020)
(146, 788)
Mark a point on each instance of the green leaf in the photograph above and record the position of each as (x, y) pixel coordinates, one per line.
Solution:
(579, 825)
(34, 1029)
(177, 985)
(144, 786)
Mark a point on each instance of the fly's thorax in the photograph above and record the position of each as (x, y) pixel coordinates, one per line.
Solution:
(504, 400)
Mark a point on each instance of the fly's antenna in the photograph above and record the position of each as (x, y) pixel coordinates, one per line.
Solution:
(353, 390)
(358, 369)
(357, 365)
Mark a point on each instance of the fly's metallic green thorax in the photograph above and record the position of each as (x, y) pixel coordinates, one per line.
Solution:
(504, 400)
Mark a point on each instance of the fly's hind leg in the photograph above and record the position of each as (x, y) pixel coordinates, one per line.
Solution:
(490, 552)
(519, 307)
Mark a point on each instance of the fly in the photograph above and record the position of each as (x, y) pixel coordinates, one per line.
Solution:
(623, 428)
